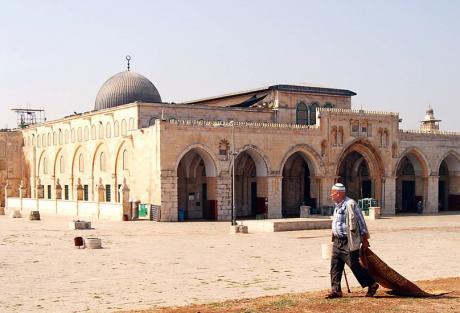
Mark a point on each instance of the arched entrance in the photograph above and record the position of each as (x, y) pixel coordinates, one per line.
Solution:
(196, 186)
(449, 184)
(250, 184)
(297, 186)
(410, 182)
(354, 174)
(360, 169)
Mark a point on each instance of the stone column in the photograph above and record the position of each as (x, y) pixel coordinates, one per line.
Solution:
(389, 196)
(22, 192)
(274, 196)
(326, 184)
(115, 189)
(91, 187)
(8, 193)
(224, 196)
(431, 195)
(169, 210)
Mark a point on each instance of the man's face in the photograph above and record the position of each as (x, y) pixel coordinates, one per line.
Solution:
(337, 196)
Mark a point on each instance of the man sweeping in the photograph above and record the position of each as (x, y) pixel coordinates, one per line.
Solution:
(349, 231)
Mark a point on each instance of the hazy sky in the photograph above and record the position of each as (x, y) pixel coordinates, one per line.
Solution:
(397, 56)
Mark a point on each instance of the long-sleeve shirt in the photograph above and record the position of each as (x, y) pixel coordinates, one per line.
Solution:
(339, 223)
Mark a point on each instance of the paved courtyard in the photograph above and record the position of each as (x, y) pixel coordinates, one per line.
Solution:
(146, 264)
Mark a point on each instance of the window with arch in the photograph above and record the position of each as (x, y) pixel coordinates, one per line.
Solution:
(102, 161)
(334, 136)
(86, 133)
(66, 136)
(108, 130)
(39, 142)
(101, 131)
(123, 127)
(328, 105)
(49, 139)
(125, 160)
(33, 140)
(116, 129)
(93, 132)
(312, 113)
(72, 135)
(81, 163)
(61, 137)
(152, 120)
(55, 138)
(61, 165)
(79, 134)
(131, 123)
(43, 140)
(45, 166)
(302, 114)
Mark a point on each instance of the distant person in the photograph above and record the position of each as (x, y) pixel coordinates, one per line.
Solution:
(420, 207)
(349, 230)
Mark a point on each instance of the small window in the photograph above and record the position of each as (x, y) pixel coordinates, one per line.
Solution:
(86, 135)
(108, 130)
(49, 191)
(101, 131)
(302, 114)
(108, 193)
(102, 162)
(125, 160)
(81, 163)
(93, 132)
(85, 193)
(116, 129)
(66, 192)
(123, 128)
(61, 165)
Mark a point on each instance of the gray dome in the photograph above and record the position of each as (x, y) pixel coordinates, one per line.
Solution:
(126, 87)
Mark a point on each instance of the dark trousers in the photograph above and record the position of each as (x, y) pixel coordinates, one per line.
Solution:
(342, 255)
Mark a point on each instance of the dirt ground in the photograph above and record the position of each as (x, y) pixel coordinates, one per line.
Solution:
(354, 302)
(145, 265)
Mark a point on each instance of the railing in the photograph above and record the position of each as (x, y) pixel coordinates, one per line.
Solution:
(214, 123)
(354, 111)
(424, 132)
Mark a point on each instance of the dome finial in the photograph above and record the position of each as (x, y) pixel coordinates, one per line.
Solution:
(128, 58)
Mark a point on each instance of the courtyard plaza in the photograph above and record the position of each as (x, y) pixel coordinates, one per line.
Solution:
(147, 264)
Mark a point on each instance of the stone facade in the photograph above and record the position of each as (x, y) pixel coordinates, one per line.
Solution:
(289, 144)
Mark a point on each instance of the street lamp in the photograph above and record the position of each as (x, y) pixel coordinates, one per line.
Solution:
(233, 153)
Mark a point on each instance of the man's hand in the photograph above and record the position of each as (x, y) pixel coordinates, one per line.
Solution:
(364, 241)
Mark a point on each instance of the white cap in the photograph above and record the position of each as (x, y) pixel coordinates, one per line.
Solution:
(338, 187)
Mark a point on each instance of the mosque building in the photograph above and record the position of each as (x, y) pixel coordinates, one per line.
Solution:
(288, 144)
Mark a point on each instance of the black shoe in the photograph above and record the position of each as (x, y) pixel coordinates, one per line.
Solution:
(334, 294)
(371, 290)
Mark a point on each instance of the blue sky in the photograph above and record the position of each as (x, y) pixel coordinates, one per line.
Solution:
(397, 56)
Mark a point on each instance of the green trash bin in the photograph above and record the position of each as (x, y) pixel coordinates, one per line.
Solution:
(143, 211)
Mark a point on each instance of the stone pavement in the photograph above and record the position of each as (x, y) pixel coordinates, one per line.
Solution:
(146, 264)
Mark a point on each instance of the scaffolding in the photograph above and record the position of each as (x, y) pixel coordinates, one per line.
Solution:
(26, 117)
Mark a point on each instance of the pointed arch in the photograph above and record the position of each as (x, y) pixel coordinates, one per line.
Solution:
(418, 159)
(311, 157)
(262, 162)
(210, 160)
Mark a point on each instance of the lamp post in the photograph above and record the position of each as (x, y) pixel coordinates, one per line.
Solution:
(233, 154)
